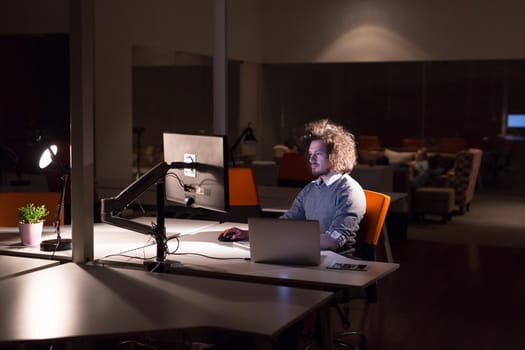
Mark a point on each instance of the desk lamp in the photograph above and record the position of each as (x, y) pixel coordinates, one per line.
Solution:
(247, 137)
(59, 243)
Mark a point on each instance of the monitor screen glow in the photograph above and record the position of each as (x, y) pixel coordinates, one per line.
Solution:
(515, 121)
(206, 184)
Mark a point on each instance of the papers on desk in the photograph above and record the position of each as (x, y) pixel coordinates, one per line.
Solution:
(347, 266)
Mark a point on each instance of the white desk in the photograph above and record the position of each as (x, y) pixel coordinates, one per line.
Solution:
(198, 236)
(10, 244)
(14, 265)
(231, 262)
(108, 239)
(100, 301)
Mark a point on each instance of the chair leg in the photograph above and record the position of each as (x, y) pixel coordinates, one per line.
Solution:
(345, 322)
(360, 342)
(386, 242)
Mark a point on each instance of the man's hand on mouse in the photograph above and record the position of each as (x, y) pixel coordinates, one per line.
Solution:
(235, 233)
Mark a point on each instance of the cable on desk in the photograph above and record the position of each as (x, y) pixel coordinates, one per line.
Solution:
(152, 257)
(148, 243)
(210, 257)
(176, 248)
(173, 252)
(130, 256)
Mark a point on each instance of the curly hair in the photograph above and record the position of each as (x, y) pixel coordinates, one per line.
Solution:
(340, 143)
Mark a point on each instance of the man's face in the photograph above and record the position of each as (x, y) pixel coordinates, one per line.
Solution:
(318, 158)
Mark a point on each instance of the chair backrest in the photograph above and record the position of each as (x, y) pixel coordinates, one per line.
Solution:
(294, 171)
(371, 227)
(376, 208)
(11, 201)
(368, 142)
(244, 199)
(477, 154)
(242, 188)
(412, 144)
(466, 170)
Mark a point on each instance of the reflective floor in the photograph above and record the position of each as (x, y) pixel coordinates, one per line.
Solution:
(463, 294)
(451, 296)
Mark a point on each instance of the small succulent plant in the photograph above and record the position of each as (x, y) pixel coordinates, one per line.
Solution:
(31, 214)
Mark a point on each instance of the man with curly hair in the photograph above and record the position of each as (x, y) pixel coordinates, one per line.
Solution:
(335, 199)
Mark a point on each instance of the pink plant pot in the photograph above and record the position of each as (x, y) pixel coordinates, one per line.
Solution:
(31, 234)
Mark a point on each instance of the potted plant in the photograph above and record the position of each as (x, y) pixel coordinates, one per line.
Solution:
(31, 223)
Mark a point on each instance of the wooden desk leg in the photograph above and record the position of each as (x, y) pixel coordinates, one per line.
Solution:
(386, 242)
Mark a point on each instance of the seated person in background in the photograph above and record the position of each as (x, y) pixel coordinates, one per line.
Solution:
(335, 199)
(420, 163)
(420, 173)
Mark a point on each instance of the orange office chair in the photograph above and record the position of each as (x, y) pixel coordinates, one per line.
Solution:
(371, 229)
(11, 201)
(243, 191)
(372, 225)
(244, 199)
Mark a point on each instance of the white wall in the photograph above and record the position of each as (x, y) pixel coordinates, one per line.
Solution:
(386, 30)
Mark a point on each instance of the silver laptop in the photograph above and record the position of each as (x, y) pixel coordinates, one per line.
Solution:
(285, 242)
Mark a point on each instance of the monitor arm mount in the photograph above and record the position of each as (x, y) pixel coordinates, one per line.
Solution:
(113, 206)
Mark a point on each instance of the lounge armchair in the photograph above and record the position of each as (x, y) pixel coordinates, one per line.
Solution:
(452, 190)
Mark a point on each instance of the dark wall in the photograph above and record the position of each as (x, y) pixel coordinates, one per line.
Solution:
(394, 100)
(180, 99)
(34, 93)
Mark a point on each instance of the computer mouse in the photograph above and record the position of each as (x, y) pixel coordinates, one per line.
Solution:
(228, 237)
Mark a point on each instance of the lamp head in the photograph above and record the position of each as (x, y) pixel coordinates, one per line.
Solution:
(249, 136)
(47, 156)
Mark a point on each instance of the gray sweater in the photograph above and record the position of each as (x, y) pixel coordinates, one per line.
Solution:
(338, 205)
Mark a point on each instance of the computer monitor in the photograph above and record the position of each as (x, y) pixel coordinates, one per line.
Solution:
(515, 121)
(205, 183)
(194, 173)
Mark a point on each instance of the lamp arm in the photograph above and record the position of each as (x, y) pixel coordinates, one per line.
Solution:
(238, 140)
(60, 205)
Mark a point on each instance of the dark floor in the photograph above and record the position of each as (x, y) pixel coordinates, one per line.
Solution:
(450, 296)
